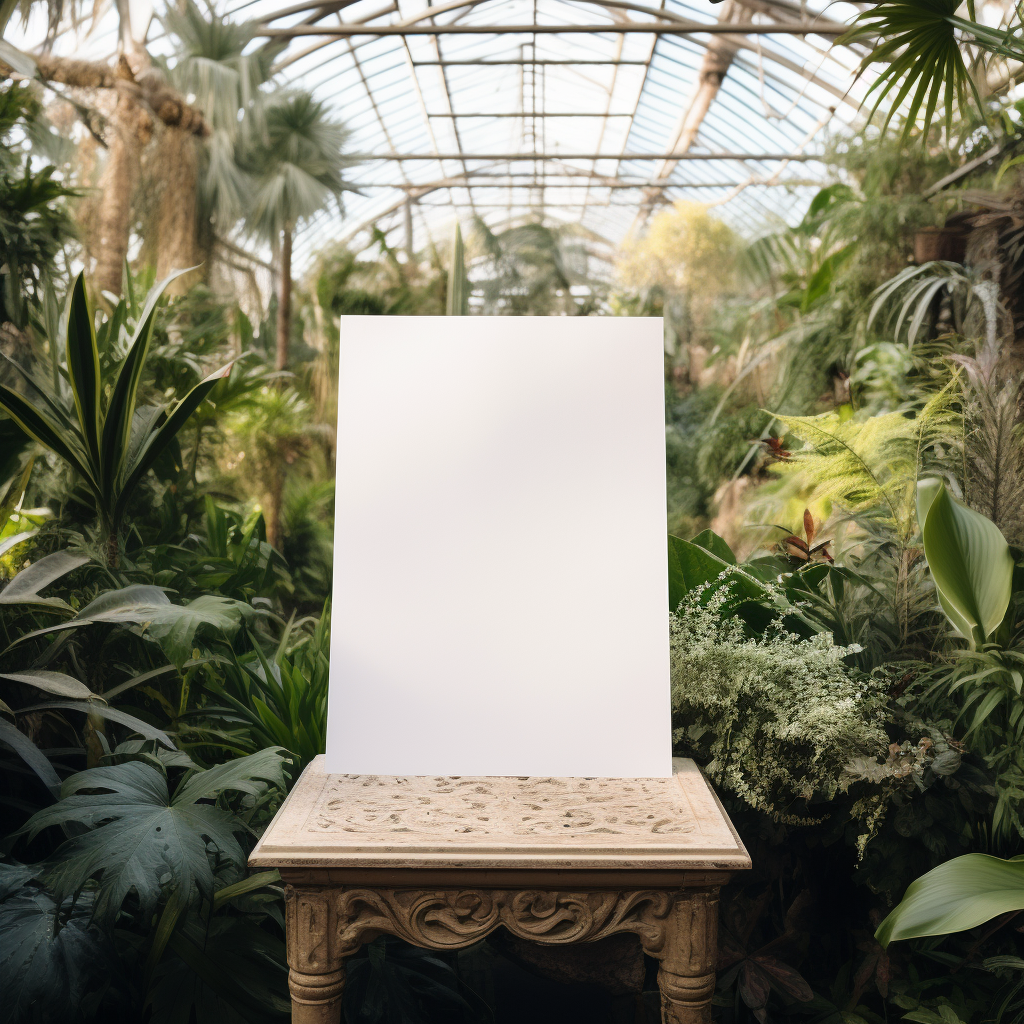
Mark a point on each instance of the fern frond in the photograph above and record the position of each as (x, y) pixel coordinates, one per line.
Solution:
(870, 464)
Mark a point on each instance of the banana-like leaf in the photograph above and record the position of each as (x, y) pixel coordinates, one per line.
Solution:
(117, 423)
(25, 587)
(94, 707)
(970, 562)
(84, 367)
(13, 737)
(162, 437)
(960, 894)
(139, 603)
(57, 683)
(12, 542)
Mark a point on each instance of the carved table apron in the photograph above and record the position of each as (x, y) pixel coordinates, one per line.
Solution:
(443, 861)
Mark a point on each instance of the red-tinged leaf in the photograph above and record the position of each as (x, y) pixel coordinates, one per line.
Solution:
(810, 527)
(786, 979)
(883, 974)
(754, 986)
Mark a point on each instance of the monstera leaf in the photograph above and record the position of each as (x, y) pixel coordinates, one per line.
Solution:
(51, 954)
(141, 835)
(970, 562)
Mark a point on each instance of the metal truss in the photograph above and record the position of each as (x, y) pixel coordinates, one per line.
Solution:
(595, 112)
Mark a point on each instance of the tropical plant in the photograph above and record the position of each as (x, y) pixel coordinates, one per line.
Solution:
(297, 165)
(107, 439)
(155, 850)
(978, 587)
(532, 269)
(280, 700)
(35, 224)
(215, 62)
(926, 48)
(138, 828)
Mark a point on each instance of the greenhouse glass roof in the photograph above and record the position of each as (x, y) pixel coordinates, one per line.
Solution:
(586, 113)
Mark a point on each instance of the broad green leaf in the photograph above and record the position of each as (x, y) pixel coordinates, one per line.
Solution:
(94, 707)
(57, 683)
(690, 566)
(136, 839)
(710, 541)
(25, 587)
(14, 738)
(141, 838)
(970, 562)
(51, 955)
(139, 602)
(956, 896)
(175, 626)
(83, 360)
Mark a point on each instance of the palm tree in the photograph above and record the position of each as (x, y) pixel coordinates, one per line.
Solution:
(205, 188)
(296, 165)
(927, 52)
(531, 268)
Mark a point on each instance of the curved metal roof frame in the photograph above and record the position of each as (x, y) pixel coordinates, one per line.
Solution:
(583, 112)
(589, 112)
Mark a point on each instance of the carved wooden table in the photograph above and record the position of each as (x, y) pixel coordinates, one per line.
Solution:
(443, 861)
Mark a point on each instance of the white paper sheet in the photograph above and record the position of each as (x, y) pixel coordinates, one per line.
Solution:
(500, 572)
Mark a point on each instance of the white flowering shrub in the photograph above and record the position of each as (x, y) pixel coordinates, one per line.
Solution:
(775, 720)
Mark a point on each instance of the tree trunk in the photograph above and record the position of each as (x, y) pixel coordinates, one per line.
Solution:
(140, 97)
(284, 299)
(275, 501)
(176, 163)
(131, 128)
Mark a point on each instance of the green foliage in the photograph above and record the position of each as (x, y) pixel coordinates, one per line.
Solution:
(960, 894)
(922, 44)
(262, 701)
(775, 720)
(532, 269)
(140, 829)
(970, 562)
(35, 225)
(110, 445)
(53, 953)
(868, 464)
(295, 162)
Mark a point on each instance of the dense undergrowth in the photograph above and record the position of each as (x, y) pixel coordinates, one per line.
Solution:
(165, 547)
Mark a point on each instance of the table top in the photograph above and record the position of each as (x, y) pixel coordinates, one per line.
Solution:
(487, 822)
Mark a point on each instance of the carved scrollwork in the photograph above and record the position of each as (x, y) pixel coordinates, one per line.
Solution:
(450, 919)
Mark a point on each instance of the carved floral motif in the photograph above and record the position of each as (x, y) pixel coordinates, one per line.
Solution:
(448, 810)
(449, 919)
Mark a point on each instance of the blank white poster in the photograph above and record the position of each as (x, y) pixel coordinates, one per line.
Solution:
(500, 571)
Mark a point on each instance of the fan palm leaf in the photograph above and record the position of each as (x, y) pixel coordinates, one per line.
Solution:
(924, 46)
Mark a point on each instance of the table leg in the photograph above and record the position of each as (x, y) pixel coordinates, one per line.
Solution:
(686, 973)
(316, 971)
